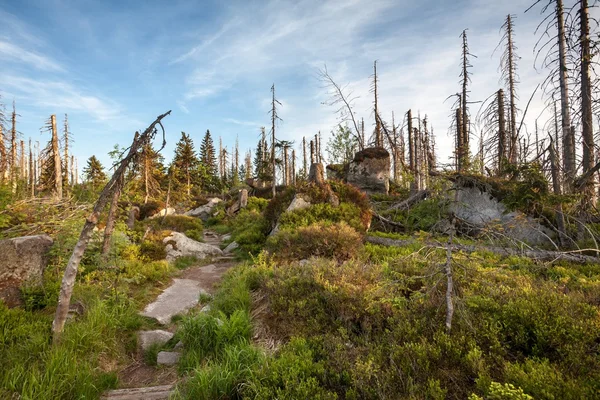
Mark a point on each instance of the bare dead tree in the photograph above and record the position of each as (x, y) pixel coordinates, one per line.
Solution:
(554, 52)
(378, 138)
(58, 189)
(68, 281)
(465, 76)
(304, 170)
(274, 118)
(508, 68)
(66, 139)
(342, 98)
(589, 195)
(13, 149)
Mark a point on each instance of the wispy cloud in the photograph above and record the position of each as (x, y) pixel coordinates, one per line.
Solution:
(60, 95)
(243, 123)
(11, 52)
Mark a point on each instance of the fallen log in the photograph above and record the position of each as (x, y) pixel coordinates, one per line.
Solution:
(539, 255)
(413, 199)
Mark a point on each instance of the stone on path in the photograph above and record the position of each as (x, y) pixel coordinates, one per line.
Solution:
(182, 295)
(168, 358)
(145, 393)
(231, 247)
(149, 338)
(179, 245)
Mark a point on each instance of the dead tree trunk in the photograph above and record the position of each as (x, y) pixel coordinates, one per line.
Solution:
(3, 157)
(501, 130)
(66, 156)
(411, 151)
(587, 133)
(31, 172)
(568, 134)
(111, 219)
(13, 149)
(293, 170)
(378, 139)
(459, 141)
(57, 163)
(514, 137)
(560, 217)
(304, 170)
(68, 281)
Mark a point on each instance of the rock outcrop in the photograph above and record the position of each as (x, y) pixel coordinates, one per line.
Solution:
(370, 170)
(179, 245)
(477, 209)
(23, 260)
(204, 212)
(165, 211)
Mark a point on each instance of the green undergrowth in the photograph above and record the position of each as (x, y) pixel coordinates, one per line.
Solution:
(99, 339)
(373, 327)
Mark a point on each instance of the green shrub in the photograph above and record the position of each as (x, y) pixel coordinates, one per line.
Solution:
(338, 241)
(323, 213)
(153, 251)
(195, 234)
(292, 374)
(249, 230)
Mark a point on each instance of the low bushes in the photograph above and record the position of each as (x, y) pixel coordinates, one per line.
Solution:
(337, 240)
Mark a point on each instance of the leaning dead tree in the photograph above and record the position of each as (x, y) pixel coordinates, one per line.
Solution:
(68, 281)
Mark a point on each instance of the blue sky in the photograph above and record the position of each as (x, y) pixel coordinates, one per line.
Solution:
(113, 66)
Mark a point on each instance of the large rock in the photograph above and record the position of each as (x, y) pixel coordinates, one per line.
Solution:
(204, 212)
(23, 260)
(370, 170)
(179, 245)
(168, 358)
(477, 209)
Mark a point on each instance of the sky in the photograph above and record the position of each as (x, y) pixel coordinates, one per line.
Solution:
(113, 66)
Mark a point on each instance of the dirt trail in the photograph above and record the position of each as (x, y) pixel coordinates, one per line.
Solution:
(139, 381)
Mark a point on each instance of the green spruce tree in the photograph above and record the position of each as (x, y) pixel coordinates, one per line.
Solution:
(185, 165)
(93, 173)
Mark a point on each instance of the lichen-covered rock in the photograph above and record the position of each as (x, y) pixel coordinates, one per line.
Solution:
(477, 210)
(337, 171)
(204, 212)
(23, 260)
(370, 170)
(179, 245)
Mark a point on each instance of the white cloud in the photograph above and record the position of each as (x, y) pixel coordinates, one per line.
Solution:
(11, 52)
